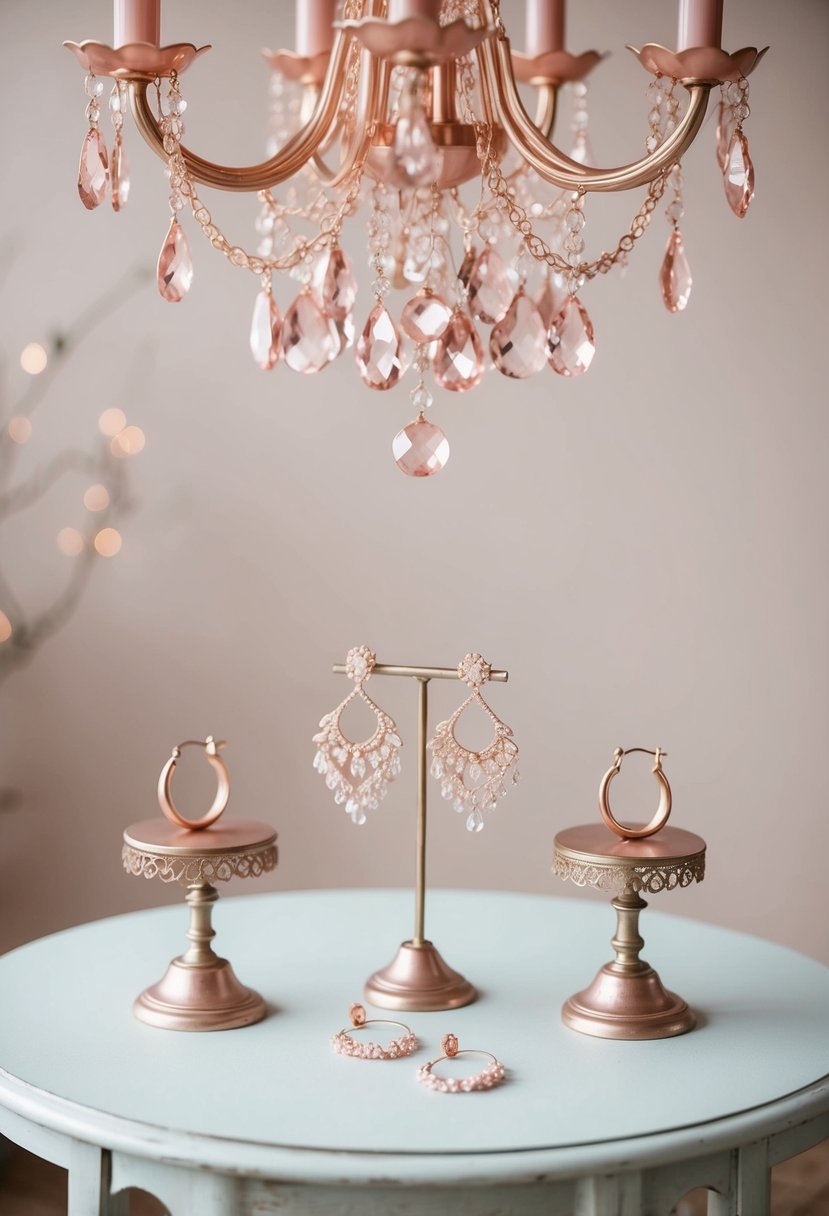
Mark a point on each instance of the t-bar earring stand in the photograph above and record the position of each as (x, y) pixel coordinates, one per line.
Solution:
(417, 979)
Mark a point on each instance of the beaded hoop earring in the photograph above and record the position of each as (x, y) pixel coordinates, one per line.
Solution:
(345, 1045)
(492, 1075)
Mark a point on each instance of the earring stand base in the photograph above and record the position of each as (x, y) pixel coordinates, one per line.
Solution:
(418, 980)
(199, 998)
(627, 1007)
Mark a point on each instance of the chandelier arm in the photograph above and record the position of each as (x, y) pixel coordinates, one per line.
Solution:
(288, 160)
(545, 109)
(550, 163)
(372, 78)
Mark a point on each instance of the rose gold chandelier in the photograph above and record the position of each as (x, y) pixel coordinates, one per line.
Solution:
(411, 109)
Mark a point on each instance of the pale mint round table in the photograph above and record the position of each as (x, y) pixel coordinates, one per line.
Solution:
(267, 1119)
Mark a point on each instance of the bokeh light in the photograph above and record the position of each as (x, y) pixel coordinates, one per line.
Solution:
(5, 628)
(70, 542)
(128, 442)
(96, 498)
(112, 421)
(33, 358)
(20, 429)
(108, 542)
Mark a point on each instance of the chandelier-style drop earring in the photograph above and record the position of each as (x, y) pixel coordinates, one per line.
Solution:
(473, 781)
(358, 774)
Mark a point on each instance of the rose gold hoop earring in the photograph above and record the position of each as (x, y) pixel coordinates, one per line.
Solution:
(659, 819)
(165, 783)
(345, 1045)
(358, 774)
(473, 781)
(491, 1076)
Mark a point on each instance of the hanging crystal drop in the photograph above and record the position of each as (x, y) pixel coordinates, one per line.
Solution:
(310, 340)
(549, 300)
(458, 360)
(421, 449)
(119, 175)
(379, 356)
(490, 287)
(570, 343)
(675, 275)
(725, 133)
(265, 327)
(518, 343)
(339, 286)
(474, 821)
(738, 175)
(92, 171)
(425, 317)
(417, 161)
(175, 266)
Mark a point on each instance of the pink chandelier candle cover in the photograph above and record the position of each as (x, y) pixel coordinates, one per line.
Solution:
(476, 209)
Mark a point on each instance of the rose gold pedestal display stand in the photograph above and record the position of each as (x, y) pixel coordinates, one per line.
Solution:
(418, 979)
(199, 990)
(626, 1000)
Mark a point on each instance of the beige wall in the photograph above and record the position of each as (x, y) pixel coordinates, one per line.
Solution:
(643, 549)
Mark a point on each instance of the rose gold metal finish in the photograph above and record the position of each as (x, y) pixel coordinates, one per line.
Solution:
(165, 783)
(135, 60)
(700, 64)
(663, 811)
(496, 67)
(345, 1045)
(199, 990)
(627, 1000)
(554, 67)
(545, 22)
(314, 19)
(137, 21)
(700, 23)
(421, 673)
(491, 1076)
(418, 979)
(309, 69)
(417, 41)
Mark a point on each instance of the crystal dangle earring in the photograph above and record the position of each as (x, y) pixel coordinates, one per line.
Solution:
(473, 781)
(732, 150)
(570, 340)
(119, 174)
(175, 266)
(358, 774)
(93, 171)
(675, 275)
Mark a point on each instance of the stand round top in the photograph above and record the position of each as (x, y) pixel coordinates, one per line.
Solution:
(229, 848)
(571, 1103)
(590, 855)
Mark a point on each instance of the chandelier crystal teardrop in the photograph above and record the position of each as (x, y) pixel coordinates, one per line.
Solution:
(410, 111)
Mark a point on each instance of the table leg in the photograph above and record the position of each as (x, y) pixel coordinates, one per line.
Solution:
(89, 1183)
(619, 1196)
(754, 1180)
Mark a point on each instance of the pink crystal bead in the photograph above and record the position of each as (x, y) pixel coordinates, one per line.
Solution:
(675, 275)
(421, 449)
(570, 344)
(310, 340)
(416, 158)
(265, 328)
(119, 175)
(339, 286)
(93, 171)
(549, 300)
(458, 359)
(175, 266)
(425, 317)
(518, 343)
(490, 287)
(738, 175)
(379, 356)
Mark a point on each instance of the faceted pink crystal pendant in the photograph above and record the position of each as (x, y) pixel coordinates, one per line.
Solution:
(339, 287)
(379, 356)
(119, 175)
(92, 171)
(265, 328)
(570, 344)
(458, 360)
(310, 340)
(421, 449)
(675, 275)
(738, 175)
(425, 317)
(549, 301)
(489, 286)
(416, 159)
(725, 132)
(518, 343)
(175, 266)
